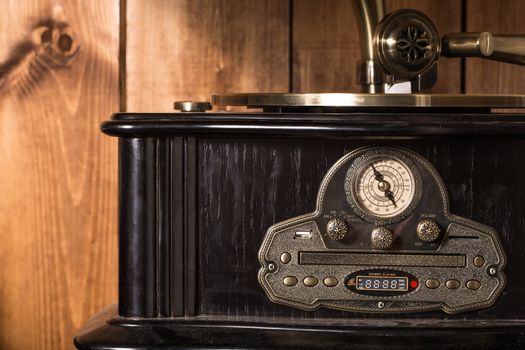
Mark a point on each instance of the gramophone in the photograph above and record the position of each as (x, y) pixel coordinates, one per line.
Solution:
(390, 218)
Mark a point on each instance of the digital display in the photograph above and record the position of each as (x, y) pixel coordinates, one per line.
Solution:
(382, 283)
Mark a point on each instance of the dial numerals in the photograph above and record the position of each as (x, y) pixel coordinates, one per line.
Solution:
(385, 187)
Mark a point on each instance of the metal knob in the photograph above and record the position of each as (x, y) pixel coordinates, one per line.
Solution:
(190, 106)
(428, 231)
(336, 229)
(382, 238)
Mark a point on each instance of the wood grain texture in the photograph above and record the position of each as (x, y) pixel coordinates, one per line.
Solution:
(326, 47)
(58, 172)
(188, 50)
(497, 17)
(247, 185)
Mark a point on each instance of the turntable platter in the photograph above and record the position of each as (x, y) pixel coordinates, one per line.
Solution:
(262, 100)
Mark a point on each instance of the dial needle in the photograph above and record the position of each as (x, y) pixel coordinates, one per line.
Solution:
(388, 194)
(377, 174)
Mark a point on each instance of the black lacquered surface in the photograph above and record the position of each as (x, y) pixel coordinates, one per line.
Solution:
(251, 184)
(392, 124)
(153, 334)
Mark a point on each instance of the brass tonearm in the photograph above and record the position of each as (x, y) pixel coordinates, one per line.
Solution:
(405, 45)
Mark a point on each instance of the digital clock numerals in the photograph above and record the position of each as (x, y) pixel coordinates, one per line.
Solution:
(382, 283)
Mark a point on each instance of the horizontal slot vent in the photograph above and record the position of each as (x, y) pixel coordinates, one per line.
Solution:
(378, 259)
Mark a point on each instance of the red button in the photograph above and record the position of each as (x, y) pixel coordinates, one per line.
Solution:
(413, 284)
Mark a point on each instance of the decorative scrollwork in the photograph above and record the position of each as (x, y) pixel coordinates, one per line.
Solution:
(413, 43)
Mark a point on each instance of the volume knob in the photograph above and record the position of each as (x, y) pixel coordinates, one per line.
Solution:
(428, 230)
(382, 238)
(336, 229)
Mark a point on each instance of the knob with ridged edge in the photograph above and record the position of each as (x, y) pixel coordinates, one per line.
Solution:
(382, 238)
(428, 231)
(336, 229)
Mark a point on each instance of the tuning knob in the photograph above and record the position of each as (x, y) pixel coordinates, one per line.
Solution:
(336, 229)
(382, 238)
(428, 231)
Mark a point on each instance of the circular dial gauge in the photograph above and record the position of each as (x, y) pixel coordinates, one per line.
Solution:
(384, 187)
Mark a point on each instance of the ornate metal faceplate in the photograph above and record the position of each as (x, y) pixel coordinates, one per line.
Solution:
(310, 286)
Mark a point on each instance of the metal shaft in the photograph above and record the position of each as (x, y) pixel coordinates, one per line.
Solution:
(505, 48)
(369, 71)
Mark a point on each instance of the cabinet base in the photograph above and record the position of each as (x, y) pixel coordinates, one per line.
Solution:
(107, 331)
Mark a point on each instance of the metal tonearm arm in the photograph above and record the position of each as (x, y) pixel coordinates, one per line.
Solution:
(504, 48)
(408, 45)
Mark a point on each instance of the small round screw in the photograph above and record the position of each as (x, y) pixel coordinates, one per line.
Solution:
(380, 305)
(271, 267)
(492, 271)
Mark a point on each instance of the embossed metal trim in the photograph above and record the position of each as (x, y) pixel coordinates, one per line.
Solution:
(393, 304)
(279, 237)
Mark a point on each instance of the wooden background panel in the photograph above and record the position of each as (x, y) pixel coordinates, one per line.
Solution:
(188, 50)
(58, 176)
(326, 47)
(496, 17)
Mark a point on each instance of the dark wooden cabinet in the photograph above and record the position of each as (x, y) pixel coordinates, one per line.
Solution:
(197, 193)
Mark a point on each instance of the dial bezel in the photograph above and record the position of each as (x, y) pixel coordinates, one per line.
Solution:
(366, 180)
(360, 164)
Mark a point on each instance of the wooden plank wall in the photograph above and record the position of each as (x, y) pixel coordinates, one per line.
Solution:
(502, 17)
(58, 81)
(200, 47)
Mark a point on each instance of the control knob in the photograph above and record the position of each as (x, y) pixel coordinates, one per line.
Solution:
(428, 230)
(382, 237)
(336, 229)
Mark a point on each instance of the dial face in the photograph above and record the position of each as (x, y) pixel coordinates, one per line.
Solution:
(384, 187)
